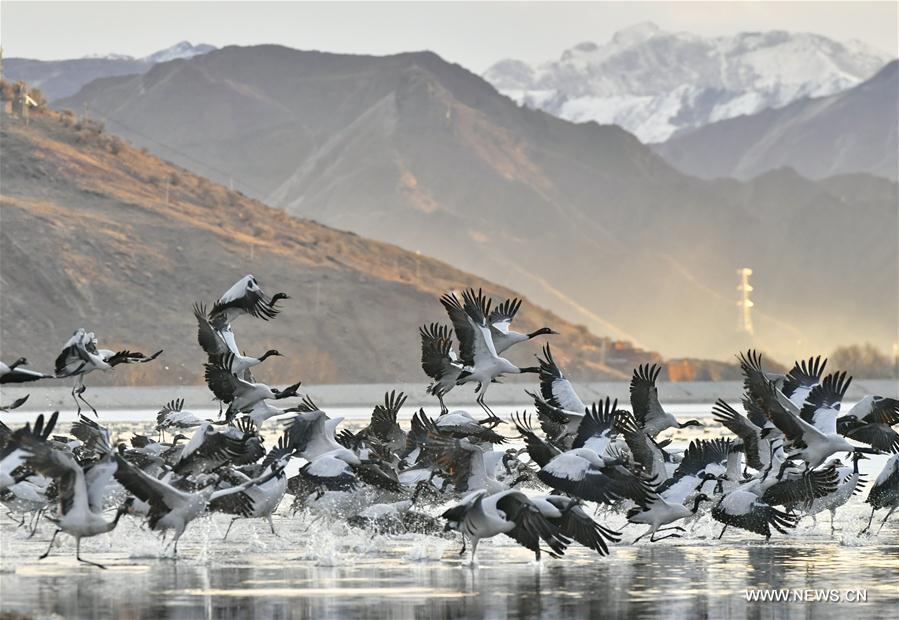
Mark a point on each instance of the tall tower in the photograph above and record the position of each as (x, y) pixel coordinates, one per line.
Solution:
(744, 303)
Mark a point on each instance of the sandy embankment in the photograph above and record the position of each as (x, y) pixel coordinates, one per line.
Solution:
(46, 398)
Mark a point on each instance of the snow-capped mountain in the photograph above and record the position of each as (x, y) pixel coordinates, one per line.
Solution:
(107, 57)
(183, 49)
(656, 83)
(63, 78)
(848, 132)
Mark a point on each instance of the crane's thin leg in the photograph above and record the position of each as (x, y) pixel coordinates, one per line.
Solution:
(664, 529)
(35, 521)
(443, 408)
(474, 550)
(480, 400)
(871, 518)
(52, 540)
(833, 529)
(84, 400)
(464, 542)
(882, 523)
(721, 535)
(643, 534)
(80, 559)
(229, 527)
(271, 524)
(75, 398)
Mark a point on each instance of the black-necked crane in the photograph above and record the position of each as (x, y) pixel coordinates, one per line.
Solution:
(439, 361)
(568, 514)
(170, 507)
(558, 404)
(384, 428)
(849, 483)
(800, 380)
(500, 320)
(264, 495)
(241, 395)
(481, 515)
(208, 450)
(173, 415)
(584, 474)
(81, 492)
(744, 509)
(813, 443)
(703, 461)
(884, 492)
(871, 421)
(16, 373)
(648, 411)
(81, 356)
(244, 297)
(13, 454)
(481, 363)
(754, 447)
(311, 434)
(657, 512)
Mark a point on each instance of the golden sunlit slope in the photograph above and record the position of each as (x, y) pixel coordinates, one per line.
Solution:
(100, 234)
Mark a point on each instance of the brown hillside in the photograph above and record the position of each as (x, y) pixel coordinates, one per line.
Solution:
(100, 234)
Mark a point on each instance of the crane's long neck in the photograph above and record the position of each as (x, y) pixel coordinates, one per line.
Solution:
(696, 503)
(112, 524)
(856, 457)
(539, 332)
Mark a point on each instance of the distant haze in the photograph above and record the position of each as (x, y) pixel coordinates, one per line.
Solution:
(472, 34)
(583, 219)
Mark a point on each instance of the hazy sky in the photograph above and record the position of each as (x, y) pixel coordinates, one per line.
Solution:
(474, 34)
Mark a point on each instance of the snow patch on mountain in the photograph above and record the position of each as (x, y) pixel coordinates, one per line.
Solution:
(183, 49)
(656, 83)
(108, 57)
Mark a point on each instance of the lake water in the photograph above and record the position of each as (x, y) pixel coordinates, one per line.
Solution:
(317, 568)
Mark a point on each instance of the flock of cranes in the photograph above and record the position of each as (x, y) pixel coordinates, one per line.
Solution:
(580, 467)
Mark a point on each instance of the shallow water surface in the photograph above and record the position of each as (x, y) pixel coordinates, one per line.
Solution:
(318, 567)
(343, 573)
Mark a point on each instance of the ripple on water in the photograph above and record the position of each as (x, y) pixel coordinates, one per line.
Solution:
(317, 569)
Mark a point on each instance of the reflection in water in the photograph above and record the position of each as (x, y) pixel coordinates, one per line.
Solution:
(361, 577)
(312, 571)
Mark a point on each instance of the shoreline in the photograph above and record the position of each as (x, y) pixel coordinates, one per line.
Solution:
(357, 395)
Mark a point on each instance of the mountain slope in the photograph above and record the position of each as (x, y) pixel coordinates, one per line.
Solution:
(582, 218)
(852, 131)
(62, 78)
(99, 234)
(656, 83)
